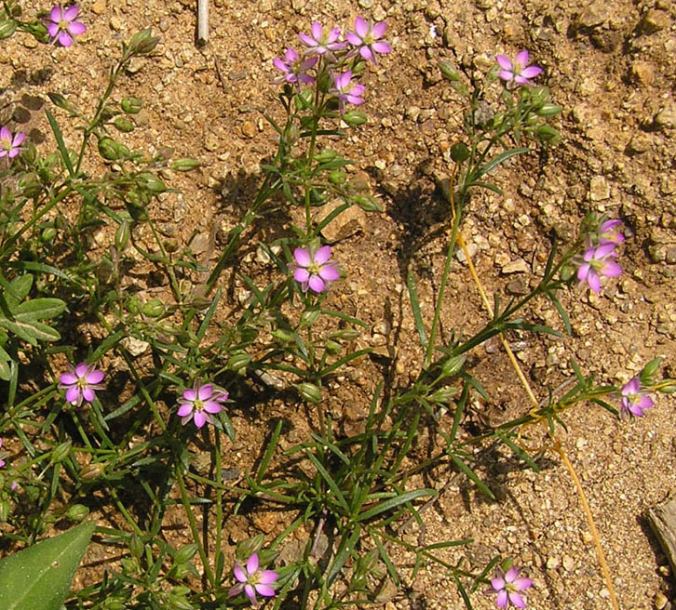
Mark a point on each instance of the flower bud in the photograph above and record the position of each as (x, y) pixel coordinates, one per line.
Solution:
(111, 150)
(77, 512)
(123, 124)
(48, 234)
(150, 182)
(238, 361)
(153, 308)
(136, 546)
(367, 203)
(61, 102)
(185, 553)
(122, 235)
(131, 105)
(309, 392)
(442, 395)
(309, 317)
(452, 366)
(649, 371)
(30, 185)
(460, 152)
(333, 347)
(448, 71)
(283, 335)
(185, 165)
(549, 109)
(355, 118)
(93, 471)
(546, 133)
(61, 452)
(7, 28)
(142, 43)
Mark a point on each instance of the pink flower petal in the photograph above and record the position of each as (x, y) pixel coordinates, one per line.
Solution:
(65, 39)
(502, 599)
(82, 369)
(88, 394)
(73, 395)
(252, 564)
(367, 54)
(211, 406)
(205, 391)
(239, 573)
(71, 12)
(56, 14)
(511, 574)
(322, 255)
(316, 284)
(185, 409)
(190, 394)
(379, 29)
(504, 62)
(306, 40)
(532, 72)
(68, 378)
(361, 26)
(250, 592)
(302, 256)
(506, 75)
(53, 29)
(267, 577)
(18, 138)
(498, 583)
(353, 39)
(329, 272)
(200, 419)
(517, 599)
(523, 58)
(631, 387)
(265, 590)
(523, 583)
(317, 30)
(611, 269)
(382, 47)
(594, 281)
(77, 28)
(301, 275)
(583, 271)
(94, 377)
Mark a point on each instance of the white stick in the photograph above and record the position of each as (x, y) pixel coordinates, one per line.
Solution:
(202, 21)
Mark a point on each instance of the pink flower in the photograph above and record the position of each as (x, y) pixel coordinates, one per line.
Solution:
(519, 71)
(348, 91)
(251, 580)
(634, 401)
(294, 68)
(610, 231)
(320, 43)
(62, 25)
(200, 403)
(509, 587)
(80, 383)
(10, 146)
(367, 39)
(598, 261)
(314, 269)
(2, 462)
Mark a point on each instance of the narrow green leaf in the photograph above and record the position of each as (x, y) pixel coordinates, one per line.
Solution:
(470, 474)
(497, 160)
(393, 503)
(65, 155)
(333, 486)
(39, 577)
(38, 309)
(415, 305)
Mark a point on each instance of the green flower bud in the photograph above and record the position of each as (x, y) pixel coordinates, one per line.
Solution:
(448, 71)
(452, 366)
(60, 101)
(333, 347)
(93, 471)
(131, 105)
(338, 177)
(548, 134)
(60, 452)
(48, 234)
(283, 335)
(549, 109)
(153, 308)
(185, 553)
(122, 235)
(649, 371)
(30, 185)
(77, 512)
(355, 118)
(238, 361)
(367, 203)
(123, 124)
(7, 28)
(185, 165)
(150, 182)
(136, 546)
(141, 43)
(460, 152)
(309, 317)
(309, 392)
(111, 150)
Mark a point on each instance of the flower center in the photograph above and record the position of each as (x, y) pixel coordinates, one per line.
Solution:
(63, 24)
(6, 145)
(198, 405)
(314, 269)
(82, 383)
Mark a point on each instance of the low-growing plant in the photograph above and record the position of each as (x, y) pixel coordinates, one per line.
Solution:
(96, 428)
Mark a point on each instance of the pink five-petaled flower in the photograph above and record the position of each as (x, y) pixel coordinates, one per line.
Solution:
(519, 71)
(348, 91)
(320, 43)
(366, 38)
(610, 231)
(634, 401)
(598, 261)
(314, 269)
(200, 403)
(251, 580)
(80, 383)
(294, 68)
(10, 146)
(62, 25)
(510, 586)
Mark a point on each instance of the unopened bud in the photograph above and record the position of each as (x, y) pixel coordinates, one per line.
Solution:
(77, 512)
(309, 392)
(185, 165)
(452, 366)
(131, 105)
